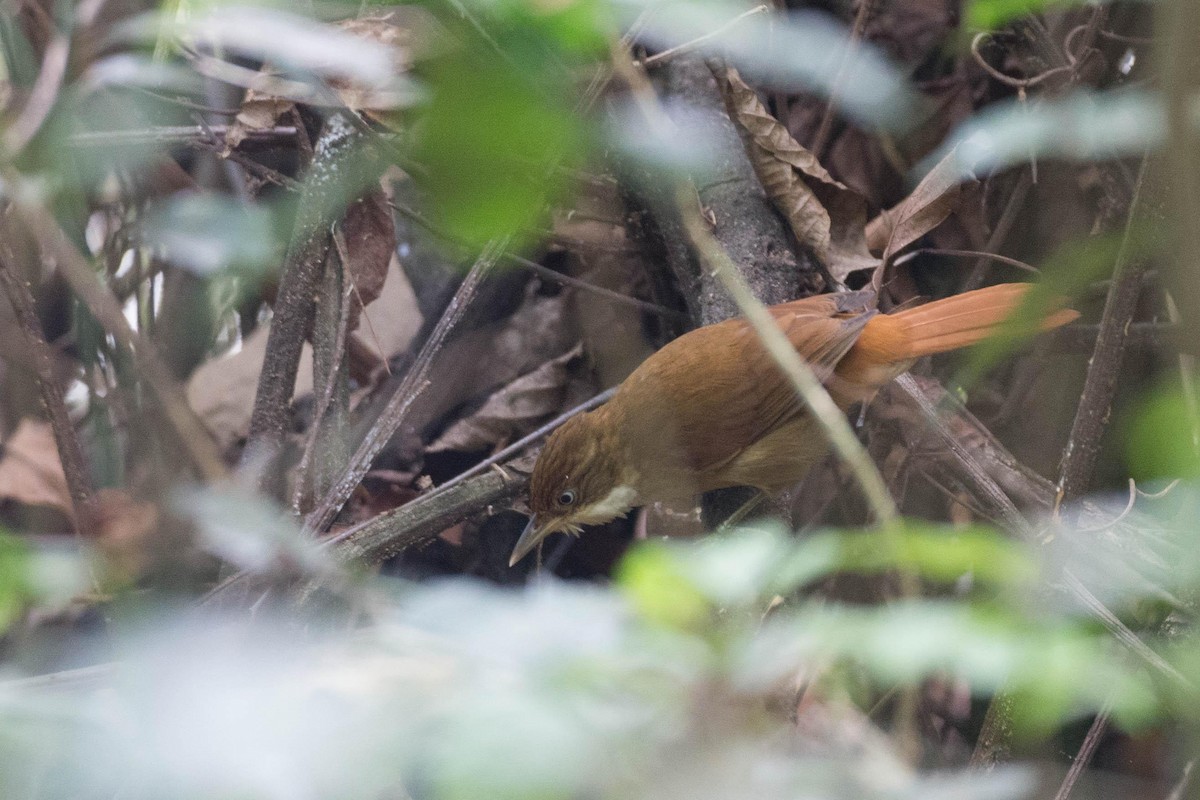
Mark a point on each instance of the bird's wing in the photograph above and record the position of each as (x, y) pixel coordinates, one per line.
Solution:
(718, 390)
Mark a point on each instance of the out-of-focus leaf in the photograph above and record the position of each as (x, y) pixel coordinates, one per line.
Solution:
(30, 471)
(1084, 125)
(572, 28)
(916, 215)
(20, 62)
(1061, 670)
(249, 534)
(132, 69)
(286, 40)
(14, 578)
(207, 234)
(992, 14)
(268, 96)
(515, 409)
(823, 214)
(48, 577)
(490, 139)
(1065, 275)
(652, 578)
(1160, 441)
(932, 552)
(665, 148)
(803, 50)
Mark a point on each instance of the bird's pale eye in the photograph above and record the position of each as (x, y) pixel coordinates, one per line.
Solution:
(567, 497)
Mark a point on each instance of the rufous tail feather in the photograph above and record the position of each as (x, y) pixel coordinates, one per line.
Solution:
(940, 326)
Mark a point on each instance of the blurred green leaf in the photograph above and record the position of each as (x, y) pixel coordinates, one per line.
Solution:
(1160, 440)
(1063, 669)
(206, 234)
(935, 552)
(746, 567)
(281, 38)
(653, 580)
(802, 50)
(992, 14)
(491, 140)
(1084, 125)
(1066, 275)
(20, 65)
(15, 583)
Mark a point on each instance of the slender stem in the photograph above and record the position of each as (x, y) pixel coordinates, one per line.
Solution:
(70, 453)
(193, 438)
(1092, 415)
(1086, 750)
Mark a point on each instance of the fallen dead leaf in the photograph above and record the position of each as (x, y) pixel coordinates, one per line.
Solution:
(260, 110)
(823, 213)
(30, 471)
(266, 101)
(515, 409)
(221, 391)
(924, 209)
(370, 235)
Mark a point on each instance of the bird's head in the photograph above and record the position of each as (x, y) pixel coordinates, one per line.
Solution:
(578, 480)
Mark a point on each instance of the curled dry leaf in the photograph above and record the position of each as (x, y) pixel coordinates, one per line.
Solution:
(515, 409)
(919, 213)
(823, 214)
(30, 472)
(370, 234)
(260, 110)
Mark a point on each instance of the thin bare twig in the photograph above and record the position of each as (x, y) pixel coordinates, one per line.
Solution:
(525, 441)
(41, 97)
(388, 534)
(177, 134)
(1086, 750)
(688, 47)
(982, 256)
(1012, 208)
(329, 353)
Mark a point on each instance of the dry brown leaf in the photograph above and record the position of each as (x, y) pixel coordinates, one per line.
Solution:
(385, 29)
(259, 112)
(515, 409)
(823, 213)
(222, 390)
(370, 234)
(267, 98)
(919, 213)
(30, 471)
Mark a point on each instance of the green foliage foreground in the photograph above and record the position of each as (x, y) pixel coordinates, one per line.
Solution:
(679, 680)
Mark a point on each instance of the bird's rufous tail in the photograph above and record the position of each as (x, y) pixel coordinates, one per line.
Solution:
(938, 327)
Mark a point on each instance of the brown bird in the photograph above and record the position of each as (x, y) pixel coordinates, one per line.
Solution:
(712, 410)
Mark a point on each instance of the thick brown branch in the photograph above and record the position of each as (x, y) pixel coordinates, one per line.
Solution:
(422, 519)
